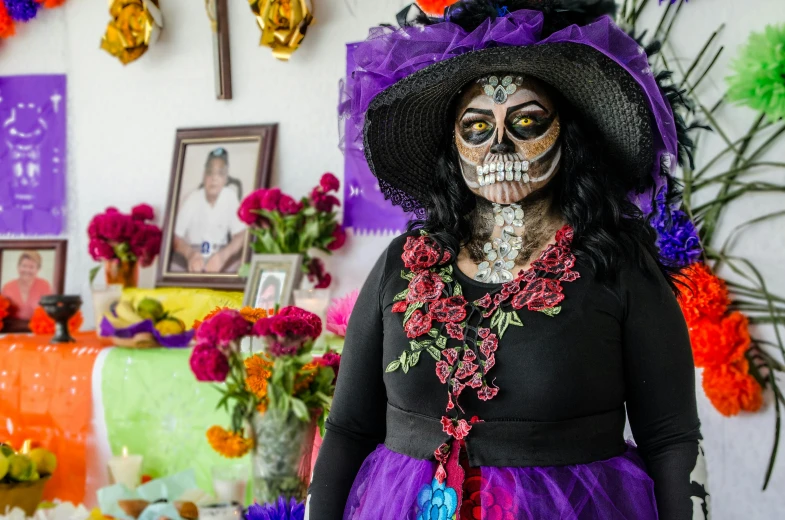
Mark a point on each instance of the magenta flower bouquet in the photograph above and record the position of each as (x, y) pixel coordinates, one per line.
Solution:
(279, 224)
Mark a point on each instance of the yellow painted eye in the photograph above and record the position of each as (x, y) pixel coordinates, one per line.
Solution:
(480, 126)
(525, 121)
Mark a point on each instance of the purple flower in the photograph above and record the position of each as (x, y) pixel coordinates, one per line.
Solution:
(677, 236)
(280, 510)
(22, 10)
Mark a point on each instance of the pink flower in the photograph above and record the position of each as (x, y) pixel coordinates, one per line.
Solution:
(333, 360)
(458, 429)
(250, 205)
(269, 199)
(323, 202)
(146, 243)
(451, 354)
(329, 182)
(400, 306)
(209, 364)
(339, 238)
(222, 329)
(443, 371)
(143, 212)
(100, 250)
(288, 206)
(489, 345)
(339, 311)
(486, 393)
(288, 331)
(466, 369)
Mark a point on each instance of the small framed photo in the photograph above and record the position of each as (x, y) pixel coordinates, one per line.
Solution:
(272, 280)
(213, 169)
(29, 269)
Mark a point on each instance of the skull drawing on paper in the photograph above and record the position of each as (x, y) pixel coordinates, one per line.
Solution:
(23, 132)
(507, 136)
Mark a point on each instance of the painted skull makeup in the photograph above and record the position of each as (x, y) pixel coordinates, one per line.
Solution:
(507, 135)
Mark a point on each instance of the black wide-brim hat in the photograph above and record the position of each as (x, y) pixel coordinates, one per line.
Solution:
(407, 80)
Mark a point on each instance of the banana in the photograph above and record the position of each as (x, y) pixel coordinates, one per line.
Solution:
(125, 311)
(116, 322)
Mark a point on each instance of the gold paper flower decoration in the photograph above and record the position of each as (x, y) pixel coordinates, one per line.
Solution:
(135, 25)
(283, 24)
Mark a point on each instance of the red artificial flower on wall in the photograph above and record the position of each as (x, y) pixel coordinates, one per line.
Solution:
(719, 342)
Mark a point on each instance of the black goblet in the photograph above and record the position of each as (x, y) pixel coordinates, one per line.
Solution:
(61, 308)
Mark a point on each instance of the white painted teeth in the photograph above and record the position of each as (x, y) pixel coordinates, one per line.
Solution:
(508, 176)
(517, 176)
(525, 166)
(525, 177)
(500, 175)
(508, 166)
(492, 167)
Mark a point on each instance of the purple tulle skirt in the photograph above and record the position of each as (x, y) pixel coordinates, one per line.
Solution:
(391, 486)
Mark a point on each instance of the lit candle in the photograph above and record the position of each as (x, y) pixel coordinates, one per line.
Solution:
(126, 469)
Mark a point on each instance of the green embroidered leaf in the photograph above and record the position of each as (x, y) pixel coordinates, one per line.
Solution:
(553, 311)
(434, 352)
(407, 275)
(413, 345)
(441, 341)
(424, 343)
(401, 295)
(415, 358)
(456, 290)
(503, 324)
(410, 310)
(434, 333)
(392, 367)
(405, 362)
(515, 319)
(497, 318)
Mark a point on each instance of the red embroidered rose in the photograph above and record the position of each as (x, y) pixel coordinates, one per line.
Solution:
(489, 345)
(450, 404)
(419, 253)
(476, 380)
(489, 363)
(486, 393)
(484, 302)
(443, 371)
(539, 294)
(455, 331)
(483, 332)
(418, 324)
(564, 236)
(469, 355)
(425, 286)
(452, 309)
(399, 306)
(451, 354)
(511, 288)
(569, 276)
(457, 428)
(457, 387)
(555, 259)
(465, 369)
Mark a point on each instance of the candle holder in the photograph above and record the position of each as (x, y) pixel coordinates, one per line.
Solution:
(61, 308)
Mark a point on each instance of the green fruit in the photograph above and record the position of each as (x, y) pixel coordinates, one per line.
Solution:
(21, 468)
(3, 466)
(6, 450)
(150, 309)
(44, 460)
(170, 326)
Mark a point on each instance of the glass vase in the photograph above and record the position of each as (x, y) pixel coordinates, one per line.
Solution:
(121, 272)
(282, 457)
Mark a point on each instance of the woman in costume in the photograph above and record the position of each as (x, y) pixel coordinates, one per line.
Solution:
(497, 348)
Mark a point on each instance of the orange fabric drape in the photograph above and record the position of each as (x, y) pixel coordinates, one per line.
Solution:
(46, 396)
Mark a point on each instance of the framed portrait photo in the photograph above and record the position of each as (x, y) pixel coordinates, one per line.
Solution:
(213, 169)
(272, 280)
(29, 269)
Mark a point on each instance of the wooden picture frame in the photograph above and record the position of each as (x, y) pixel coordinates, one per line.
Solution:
(190, 206)
(283, 271)
(56, 280)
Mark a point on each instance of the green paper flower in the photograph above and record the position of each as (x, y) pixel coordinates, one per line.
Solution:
(759, 79)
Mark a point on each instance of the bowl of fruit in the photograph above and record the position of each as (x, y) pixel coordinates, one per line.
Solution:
(143, 325)
(23, 476)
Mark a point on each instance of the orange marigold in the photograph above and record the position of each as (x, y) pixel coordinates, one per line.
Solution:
(6, 23)
(4, 305)
(228, 444)
(253, 315)
(731, 388)
(41, 323)
(51, 4)
(434, 7)
(305, 377)
(262, 406)
(705, 295)
(718, 343)
(257, 373)
(210, 314)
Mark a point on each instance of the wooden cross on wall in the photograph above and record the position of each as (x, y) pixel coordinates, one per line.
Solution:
(219, 20)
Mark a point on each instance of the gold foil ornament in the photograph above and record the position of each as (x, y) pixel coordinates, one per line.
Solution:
(283, 24)
(135, 25)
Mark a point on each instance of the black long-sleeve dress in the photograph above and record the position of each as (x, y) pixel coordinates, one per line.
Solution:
(530, 380)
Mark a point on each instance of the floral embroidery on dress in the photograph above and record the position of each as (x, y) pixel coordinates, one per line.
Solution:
(461, 336)
(436, 502)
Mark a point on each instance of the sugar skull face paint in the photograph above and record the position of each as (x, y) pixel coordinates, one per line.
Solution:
(507, 135)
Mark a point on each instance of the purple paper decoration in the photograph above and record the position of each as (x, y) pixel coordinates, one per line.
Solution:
(365, 208)
(32, 154)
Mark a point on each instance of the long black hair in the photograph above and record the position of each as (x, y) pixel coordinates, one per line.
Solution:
(592, 194)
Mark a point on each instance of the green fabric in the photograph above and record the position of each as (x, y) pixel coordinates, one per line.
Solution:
(154, 406)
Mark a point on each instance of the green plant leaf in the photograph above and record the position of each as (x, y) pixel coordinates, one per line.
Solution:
(457, 290)
(414, 358)
(407, 275)
(405, 361)
(441, 342)
(94, 273)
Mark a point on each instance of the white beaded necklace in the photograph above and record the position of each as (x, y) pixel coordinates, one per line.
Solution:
(500, 253)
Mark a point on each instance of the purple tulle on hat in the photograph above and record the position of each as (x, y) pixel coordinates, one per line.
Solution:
(391, 54)
(22, 10)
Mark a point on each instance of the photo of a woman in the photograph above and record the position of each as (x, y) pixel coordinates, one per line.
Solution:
(25, 291)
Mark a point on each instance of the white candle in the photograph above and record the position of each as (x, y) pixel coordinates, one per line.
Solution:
(126, 469)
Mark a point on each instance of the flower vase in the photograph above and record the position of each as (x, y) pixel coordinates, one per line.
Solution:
(282, 456)
(121, 272)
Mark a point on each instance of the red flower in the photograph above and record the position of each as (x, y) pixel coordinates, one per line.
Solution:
(719, 343)
(466, 369)
(555, 259)
(418, 324)
(476, 380)
(457, 428)
(425, 286)
(142, 212)
(268, 199)
(323, 202)
(486, 393)
(489, 345)
(484, 302)
(731, 389)
(539, 294)
(483, 332)
(291, 323)
(452, 309)
(100, 250)
(443, 371)
(451, 354)
(457, 387)
(288, 206)
(489, 363)
(569, 276)
(329, 182)
(339, 238)
(420, 253)
(455, 331)
(399, 306)
(317, 274)
(705, 296)
(469, 355)
(209, 364)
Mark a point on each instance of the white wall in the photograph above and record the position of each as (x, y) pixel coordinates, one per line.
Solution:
(122, 122)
